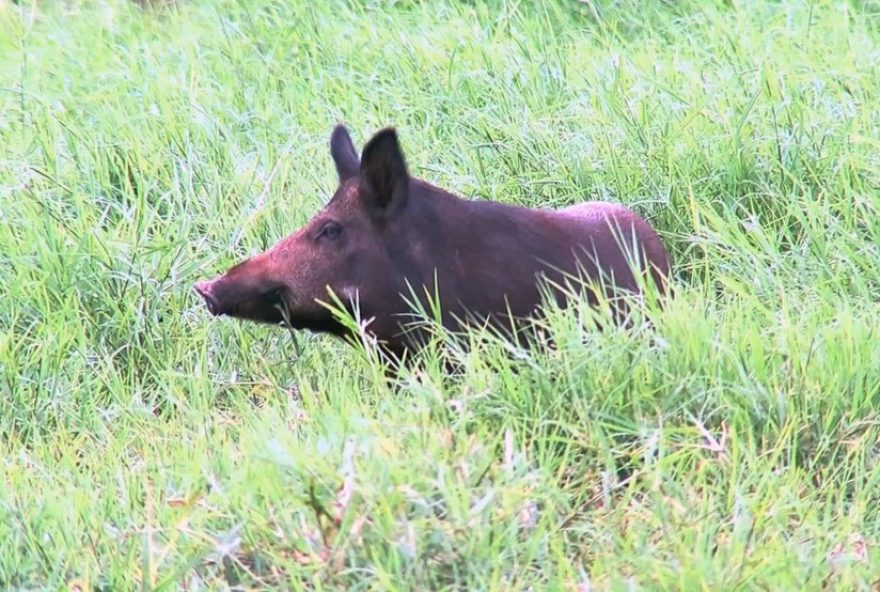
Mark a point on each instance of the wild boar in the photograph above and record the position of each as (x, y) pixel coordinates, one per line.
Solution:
(386, 236)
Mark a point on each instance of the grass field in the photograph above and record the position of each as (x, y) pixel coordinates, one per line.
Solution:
(731, 446)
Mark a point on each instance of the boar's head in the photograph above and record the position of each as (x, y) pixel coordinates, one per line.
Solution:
(350, 247)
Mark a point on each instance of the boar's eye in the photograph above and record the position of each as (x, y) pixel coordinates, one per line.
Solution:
(330, 231)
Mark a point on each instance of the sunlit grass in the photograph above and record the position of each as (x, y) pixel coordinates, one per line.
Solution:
(729, 444)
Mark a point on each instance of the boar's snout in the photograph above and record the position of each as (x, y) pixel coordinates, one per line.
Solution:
(206, 291)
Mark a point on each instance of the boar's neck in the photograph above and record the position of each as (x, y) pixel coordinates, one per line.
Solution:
(486, 255)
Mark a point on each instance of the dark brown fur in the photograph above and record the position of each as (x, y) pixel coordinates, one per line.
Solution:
(384, 228)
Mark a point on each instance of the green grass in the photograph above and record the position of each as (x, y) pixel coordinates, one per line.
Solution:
(732, 446)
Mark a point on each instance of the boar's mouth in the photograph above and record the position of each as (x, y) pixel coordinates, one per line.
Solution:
(203, 289)
(264, 307)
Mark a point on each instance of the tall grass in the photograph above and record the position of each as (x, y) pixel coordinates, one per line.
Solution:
(731, 444)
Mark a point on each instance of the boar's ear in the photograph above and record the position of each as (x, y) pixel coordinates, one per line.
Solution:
(383, 171)
(343, 153)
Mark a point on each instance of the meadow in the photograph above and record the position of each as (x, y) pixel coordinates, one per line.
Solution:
(730, 444)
